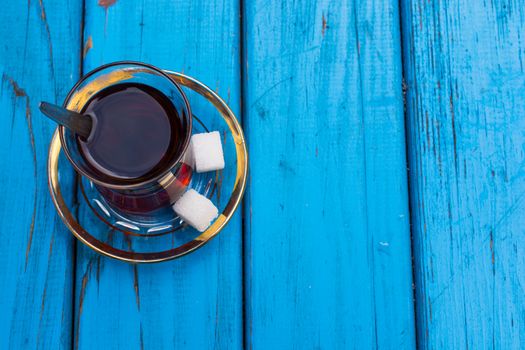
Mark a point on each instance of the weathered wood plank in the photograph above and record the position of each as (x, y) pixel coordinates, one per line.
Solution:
(328, 244)
(194, 302)
(39, 61)
(466, 105)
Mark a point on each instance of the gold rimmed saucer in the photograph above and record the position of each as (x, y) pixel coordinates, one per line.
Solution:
(135, 248)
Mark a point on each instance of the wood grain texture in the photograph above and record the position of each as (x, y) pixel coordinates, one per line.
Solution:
(466, 105)
(196, 301)
(39, 61)
(328, 242)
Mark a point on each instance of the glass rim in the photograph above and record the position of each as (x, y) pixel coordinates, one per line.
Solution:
(128, 185)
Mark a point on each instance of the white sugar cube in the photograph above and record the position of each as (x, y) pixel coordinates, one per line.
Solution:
(196, 210)
(207, 151)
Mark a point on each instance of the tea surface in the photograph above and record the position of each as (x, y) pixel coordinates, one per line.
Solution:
(136, 132)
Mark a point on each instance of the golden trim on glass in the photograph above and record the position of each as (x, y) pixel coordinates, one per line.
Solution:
(235, 198)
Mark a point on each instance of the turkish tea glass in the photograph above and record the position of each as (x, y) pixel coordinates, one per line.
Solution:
(136, 197)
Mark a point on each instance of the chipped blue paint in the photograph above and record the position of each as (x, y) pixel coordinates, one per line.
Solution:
(465, 112)
(328, 242)
(39, 61)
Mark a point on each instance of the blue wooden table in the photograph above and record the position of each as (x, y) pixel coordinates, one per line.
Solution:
(385, 206)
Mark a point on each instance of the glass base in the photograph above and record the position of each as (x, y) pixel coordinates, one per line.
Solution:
(158, 222)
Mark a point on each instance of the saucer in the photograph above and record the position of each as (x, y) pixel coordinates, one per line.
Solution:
(162, 236)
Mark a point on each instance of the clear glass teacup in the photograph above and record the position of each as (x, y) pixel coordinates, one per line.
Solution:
(161, 185)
